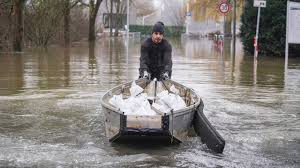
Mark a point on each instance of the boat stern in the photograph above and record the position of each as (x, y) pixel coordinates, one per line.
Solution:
(141, 127)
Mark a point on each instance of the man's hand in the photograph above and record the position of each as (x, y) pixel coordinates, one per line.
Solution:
(146, 75)
(165, 76)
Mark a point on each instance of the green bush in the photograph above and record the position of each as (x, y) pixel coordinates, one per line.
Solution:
(147, 29)
(271, 38)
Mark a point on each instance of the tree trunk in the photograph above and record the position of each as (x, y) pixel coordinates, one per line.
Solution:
(92, 36)
(92, 18)
(111, 18)
(67, 23)
(17, 24)
(117, 18)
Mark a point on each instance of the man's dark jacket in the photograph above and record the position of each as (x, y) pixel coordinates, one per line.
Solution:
(156, 58)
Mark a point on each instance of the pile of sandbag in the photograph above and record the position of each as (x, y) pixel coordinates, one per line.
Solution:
(167, 101)
(138, 104)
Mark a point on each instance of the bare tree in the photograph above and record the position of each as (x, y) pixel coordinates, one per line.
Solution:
(92, 18)
(17, 24)
(111, 17)
(79, 23)
(11, 24)
(117, 11)
(66, 12)
(144, 7)
(5, 24)
(120, 11)
(42, 20)
(176, 12)
(68, 5)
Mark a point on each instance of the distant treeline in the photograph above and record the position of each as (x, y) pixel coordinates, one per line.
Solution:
(39, 23)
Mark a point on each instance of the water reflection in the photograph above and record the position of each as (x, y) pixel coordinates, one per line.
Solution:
(52, 68)
(11, 73)
(254, 70)
(67, 66)
(92, 60)
(107, 61)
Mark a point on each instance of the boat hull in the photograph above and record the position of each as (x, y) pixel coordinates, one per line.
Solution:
(172, 127)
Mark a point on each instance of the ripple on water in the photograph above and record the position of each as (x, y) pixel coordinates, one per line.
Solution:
(27, 153)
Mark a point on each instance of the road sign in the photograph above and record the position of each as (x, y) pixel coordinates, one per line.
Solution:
(259, 3)
(292, 27)
(224, 7)
(188, 13)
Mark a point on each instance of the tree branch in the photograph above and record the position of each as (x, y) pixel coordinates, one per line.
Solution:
(75, 3)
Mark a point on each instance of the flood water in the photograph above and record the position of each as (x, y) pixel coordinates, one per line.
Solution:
(50, 112)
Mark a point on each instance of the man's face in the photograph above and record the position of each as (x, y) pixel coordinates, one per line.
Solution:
(157, 37)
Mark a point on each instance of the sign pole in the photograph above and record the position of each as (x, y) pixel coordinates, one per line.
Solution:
(234, 27)
(256, 36)
(187, 18)
(127, 30)
(286, 37)
(224, 26)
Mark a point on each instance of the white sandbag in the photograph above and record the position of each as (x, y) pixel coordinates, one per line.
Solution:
(161, 107)
(145, 110)
(117, 101)
(179, 103)
(172, 101)
(138, 105)
(143, 106)
(135, 89)
(174, 90)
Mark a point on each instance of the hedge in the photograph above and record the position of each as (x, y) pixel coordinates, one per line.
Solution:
(169, 30)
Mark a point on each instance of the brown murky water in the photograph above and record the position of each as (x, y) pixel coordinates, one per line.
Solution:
(50, 113)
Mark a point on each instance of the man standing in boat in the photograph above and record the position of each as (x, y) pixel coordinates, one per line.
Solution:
(156, 55)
